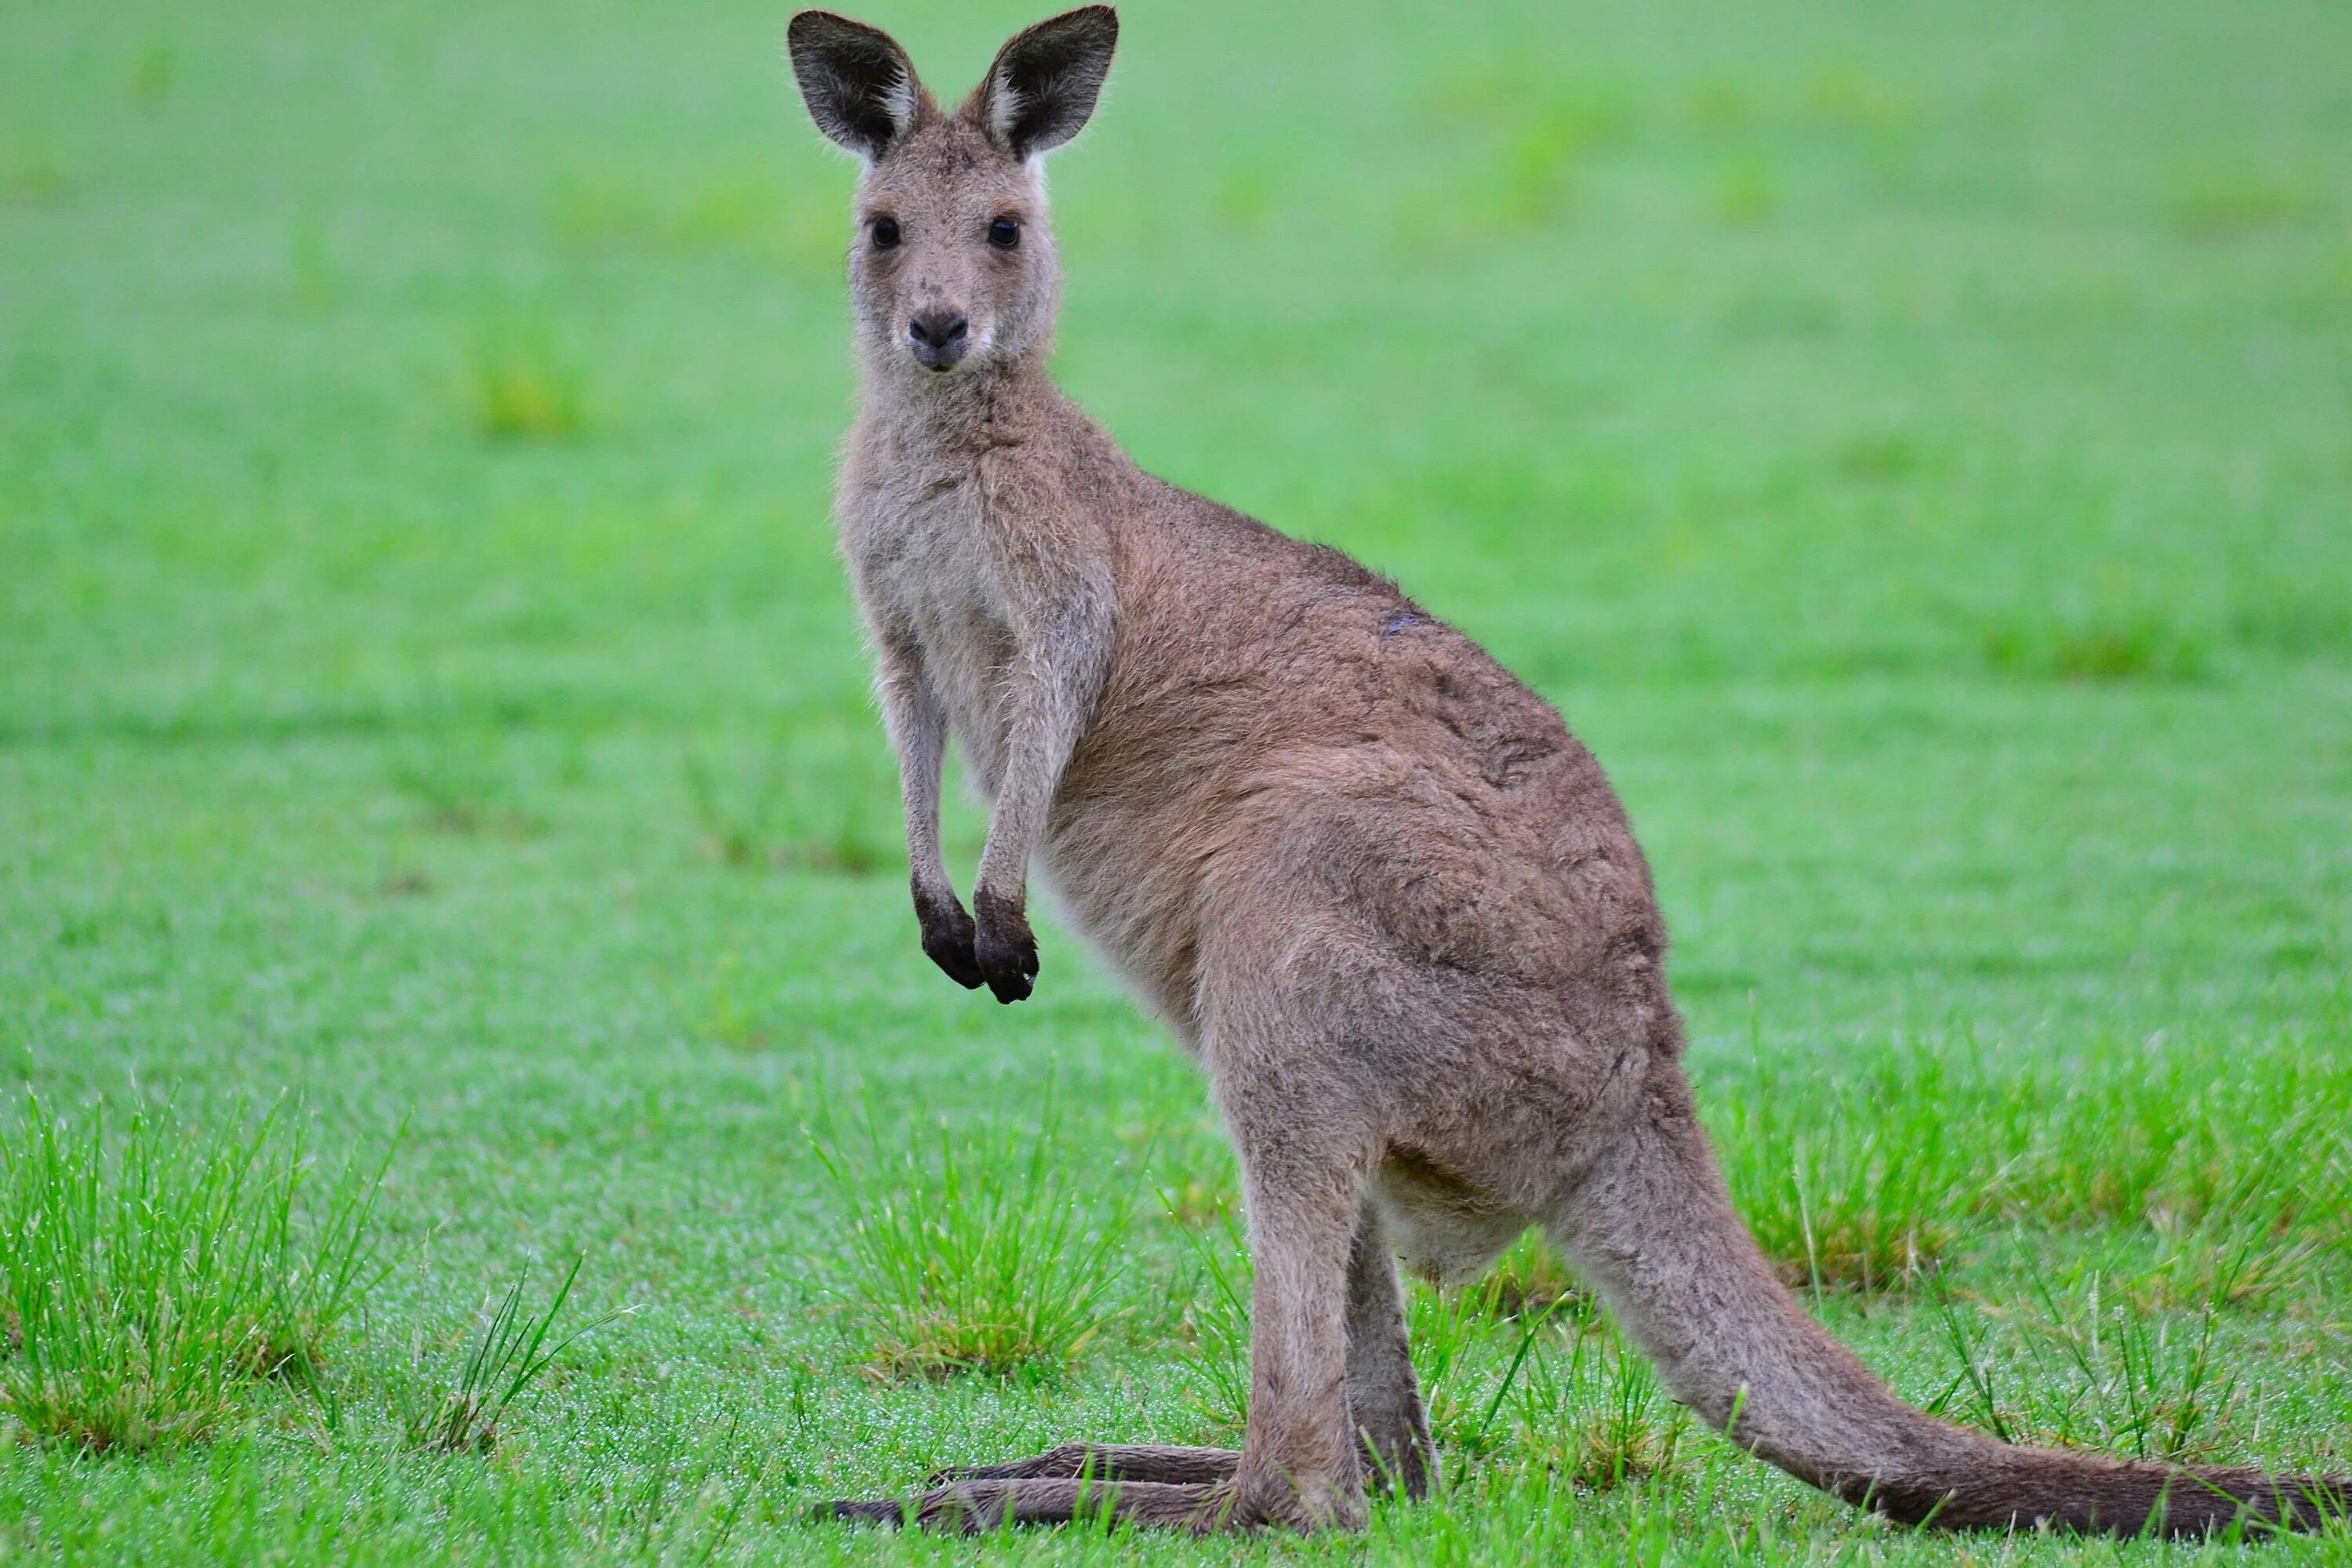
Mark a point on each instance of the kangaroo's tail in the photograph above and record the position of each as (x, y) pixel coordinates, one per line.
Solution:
(1653, 1228)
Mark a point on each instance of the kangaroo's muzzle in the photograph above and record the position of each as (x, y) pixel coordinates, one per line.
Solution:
(939, 338)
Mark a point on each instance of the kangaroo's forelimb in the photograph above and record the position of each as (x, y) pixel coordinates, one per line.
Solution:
(1062, 651)
(917, 726)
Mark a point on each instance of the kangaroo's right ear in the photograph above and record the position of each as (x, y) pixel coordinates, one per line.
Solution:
(859, 86)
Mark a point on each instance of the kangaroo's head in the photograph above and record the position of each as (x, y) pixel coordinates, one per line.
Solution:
(953, 263)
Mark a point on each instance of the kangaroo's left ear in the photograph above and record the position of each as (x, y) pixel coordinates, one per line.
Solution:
(1044, 82)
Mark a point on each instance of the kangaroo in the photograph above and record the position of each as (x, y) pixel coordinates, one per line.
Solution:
(1366, 877)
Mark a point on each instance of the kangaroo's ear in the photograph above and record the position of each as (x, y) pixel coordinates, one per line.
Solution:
(859, 85)
(1044, 82)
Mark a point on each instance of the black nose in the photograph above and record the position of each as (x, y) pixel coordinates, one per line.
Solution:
(938, 329)
(939, 338)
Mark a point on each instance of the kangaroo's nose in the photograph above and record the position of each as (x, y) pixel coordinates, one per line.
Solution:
(939, 337)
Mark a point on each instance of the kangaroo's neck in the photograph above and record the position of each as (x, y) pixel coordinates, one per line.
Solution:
(956, 419)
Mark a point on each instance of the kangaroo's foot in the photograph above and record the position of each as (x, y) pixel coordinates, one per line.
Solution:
(978, 1506)
(1105, 1462)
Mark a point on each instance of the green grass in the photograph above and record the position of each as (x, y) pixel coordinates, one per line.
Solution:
(517, 1346)
(1911, 445)
(522, 390)
(148, 1279)
(980, 1252)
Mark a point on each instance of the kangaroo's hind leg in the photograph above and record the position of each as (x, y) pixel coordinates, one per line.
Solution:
(1383, 1393)
(1105, 1462)
(1383, 1402)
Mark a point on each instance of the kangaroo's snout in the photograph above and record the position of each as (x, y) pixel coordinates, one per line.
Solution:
(939, 337)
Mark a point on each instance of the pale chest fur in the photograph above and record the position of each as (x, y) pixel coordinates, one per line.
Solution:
(914, 537)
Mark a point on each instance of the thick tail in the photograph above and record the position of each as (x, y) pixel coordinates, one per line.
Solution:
(1653, 1230)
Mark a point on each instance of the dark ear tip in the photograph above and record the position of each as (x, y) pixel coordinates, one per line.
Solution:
(1099, 20)
(813, 28)
(806, 30)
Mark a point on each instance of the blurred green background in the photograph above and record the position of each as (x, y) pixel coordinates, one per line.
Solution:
(1912, 443)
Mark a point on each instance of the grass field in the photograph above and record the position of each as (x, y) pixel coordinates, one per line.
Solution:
(1911, 445)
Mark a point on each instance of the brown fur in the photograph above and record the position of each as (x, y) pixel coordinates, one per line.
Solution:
(1365, 875)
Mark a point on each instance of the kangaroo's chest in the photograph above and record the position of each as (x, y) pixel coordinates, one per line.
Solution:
(920, 555)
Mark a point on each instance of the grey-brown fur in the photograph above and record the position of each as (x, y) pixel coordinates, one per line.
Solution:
(1363, 874)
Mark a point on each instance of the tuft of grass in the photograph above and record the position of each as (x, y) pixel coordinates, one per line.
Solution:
(1747, 192)
(519, 389)
(1472, 1360)
(1628, 1428)
(2202, 1150)
(1880, 457)
(2215, 197)
(1452, 1330)
(986, 1252)
(149, 1276)
(154, 72)
(514, 1348)
(1215, 1324)
(2252, 1246)
(1868, 1180)
(463, 787)
(2114, 645)
(1862, 1190)
(1596, 1414)
(2094, 1367)
(1530, 1279)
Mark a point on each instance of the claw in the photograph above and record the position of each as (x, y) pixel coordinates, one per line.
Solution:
(1004, 947)
(948, 937)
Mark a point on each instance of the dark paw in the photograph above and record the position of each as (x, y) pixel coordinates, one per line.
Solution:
(1003, 946)
(948, 937)
(879, 1510)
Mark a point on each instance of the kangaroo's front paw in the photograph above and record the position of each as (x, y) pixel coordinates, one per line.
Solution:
(1003, 946)
(948, 937)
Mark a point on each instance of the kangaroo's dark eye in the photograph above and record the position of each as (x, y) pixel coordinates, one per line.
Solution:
(1004, 233)
(886, 233)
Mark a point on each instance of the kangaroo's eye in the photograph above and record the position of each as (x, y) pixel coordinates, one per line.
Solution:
(1004, 233)
(886, 233)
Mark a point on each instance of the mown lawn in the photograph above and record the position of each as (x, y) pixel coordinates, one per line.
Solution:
(1911, 445)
